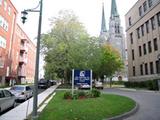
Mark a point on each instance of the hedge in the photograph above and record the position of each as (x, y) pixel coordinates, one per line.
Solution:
(150, 84)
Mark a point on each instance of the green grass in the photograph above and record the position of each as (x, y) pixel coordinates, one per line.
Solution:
(106, 106)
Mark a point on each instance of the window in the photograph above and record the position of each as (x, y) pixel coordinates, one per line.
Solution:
(151, 68)
(5, 5)
(144, 49)
(155, 44)
(141, 69)
(145, 6)
(157, 67)
(134, 71)
(153, 23)
(131, 38)
(158, 18)
(130, 22)
(140, 11)
(142, 30)
(7, 93)
(138, 33)
(1, 94)
(149, 3)
(147, 26)
(1, 21)
(146, 68)
(132, 54)
(149, 47)
(140, 51)
(117, 29)
(9, 10)
(1, 2)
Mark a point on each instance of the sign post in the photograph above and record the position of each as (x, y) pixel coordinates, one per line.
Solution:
(91, 79)
(81, 76)
(72, 81)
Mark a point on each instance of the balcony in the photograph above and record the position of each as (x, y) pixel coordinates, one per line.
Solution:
(23, 48)
(22, 60)
(21, 72)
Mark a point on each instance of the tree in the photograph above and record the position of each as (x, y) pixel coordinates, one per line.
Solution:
(68, 46)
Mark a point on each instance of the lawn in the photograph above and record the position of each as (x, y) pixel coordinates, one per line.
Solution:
(100, 108)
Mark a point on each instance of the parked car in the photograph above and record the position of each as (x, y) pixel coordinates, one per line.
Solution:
(98, 85)
(53, 82)
(42, 83)
(84, 86)
(22, 92)
(7, 100)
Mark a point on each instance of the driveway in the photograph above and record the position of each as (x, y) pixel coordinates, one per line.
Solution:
(149, 103)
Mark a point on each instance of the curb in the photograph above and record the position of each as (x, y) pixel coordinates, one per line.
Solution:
(147, 91)
(127, 114)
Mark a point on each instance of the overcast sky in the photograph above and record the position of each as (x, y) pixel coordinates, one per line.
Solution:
(88, 11)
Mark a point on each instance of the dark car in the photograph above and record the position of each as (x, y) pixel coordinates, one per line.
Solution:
(42, 83)
(53, 82)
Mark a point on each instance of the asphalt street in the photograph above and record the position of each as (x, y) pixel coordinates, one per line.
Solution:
(149, 103)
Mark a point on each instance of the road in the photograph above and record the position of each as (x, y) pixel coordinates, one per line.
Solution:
(149, 103)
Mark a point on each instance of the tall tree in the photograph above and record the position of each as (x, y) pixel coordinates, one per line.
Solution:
(68, 46)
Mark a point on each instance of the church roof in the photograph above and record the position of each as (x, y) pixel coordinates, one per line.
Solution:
(114, 12)
(103, 24)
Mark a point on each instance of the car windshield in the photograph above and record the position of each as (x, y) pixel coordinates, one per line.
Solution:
(18, 88)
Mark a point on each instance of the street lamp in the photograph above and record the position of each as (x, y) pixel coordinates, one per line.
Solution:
(24, 17)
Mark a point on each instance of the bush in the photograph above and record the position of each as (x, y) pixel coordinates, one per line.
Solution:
(95, 93)
(150, 84)
(81, 93)
(67, 95)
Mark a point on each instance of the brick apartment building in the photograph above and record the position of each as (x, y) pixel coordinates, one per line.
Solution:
(143, 40)
(17, 52)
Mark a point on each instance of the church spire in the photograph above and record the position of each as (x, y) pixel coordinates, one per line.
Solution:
(103, 24)
(114, 12)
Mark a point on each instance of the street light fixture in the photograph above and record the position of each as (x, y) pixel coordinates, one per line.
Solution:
(35, 92)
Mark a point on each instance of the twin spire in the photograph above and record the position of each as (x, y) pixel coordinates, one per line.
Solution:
(114, 13)
(103, 24)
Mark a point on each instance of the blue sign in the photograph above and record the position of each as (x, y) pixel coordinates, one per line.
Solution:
(82, 77)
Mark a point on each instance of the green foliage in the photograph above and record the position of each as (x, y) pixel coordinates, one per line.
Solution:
(104, 107)
(95, 93)
(67, 95)
(150, 84)
(69, 46)
(78, 94)
(81, 93)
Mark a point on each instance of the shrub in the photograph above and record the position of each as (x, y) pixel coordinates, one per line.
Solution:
(67, 95)
(95, 93)
(81, 93)
(150, 84)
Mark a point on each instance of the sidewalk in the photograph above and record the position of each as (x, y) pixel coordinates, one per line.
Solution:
(20, 112)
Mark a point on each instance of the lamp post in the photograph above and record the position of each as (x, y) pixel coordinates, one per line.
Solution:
(35, 92)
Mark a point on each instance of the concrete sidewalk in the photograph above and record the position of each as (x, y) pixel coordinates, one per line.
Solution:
(20, 112)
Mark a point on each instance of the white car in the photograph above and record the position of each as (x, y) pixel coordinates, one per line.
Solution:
(7, 100)
(99, 85)
(84, 86)
(22, 92)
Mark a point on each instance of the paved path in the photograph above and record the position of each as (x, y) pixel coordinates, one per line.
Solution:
(20, 112)
(149, 103)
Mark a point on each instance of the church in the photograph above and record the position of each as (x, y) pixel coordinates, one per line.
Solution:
(114, 36)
